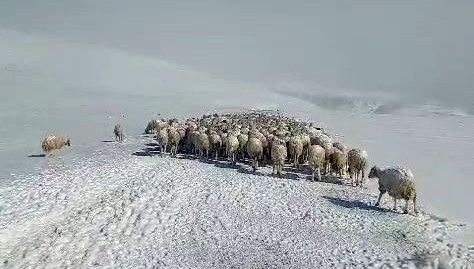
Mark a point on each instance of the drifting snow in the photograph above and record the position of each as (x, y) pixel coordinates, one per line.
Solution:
(107, 208)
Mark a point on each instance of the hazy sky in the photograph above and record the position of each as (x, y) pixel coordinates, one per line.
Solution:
(420, 49)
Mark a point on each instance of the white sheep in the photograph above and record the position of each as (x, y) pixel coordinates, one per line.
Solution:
(203, 144)
(231, 146)
(398, 182)
(317, 156)
(162, 124)
(338, 161)
(265, 145)
(52, 143)
(306, 145)
(319, 138)
(118, 132)
(358, 163)
(296, 149)
(174, 138)
(162, 137)
(340, 146)
(278, 154)
(216, 143)
(254, 150)
(195, 141)
(243, 139)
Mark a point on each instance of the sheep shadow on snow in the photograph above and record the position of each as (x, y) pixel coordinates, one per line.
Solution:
(329, 179)
(107, 141)
(249, 171)
(286, 175)
(146, 152)
(354, 204)
(227, 164)
(186, 157)
(303, 168)
(37, 156)
(152, 144)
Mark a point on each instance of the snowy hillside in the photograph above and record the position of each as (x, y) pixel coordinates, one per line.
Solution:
(100, 205)
(109, 205)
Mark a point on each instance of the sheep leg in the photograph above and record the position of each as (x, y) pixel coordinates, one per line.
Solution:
(380, 197)
(406, 207)
(395, 204)
(414, 205)
(313, 173)
(273, 171)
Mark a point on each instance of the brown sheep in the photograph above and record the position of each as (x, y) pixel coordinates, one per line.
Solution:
(118, 132)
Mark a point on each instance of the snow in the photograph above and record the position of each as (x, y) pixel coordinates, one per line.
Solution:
(184, 213)
(104, 207)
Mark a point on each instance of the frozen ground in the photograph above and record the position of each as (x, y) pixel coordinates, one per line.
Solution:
(104, 207)
(56, 208)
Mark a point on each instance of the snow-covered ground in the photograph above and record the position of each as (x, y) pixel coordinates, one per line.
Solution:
(104, 206)
(183, 213)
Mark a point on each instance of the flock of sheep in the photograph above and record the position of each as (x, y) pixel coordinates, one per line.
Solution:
(269, 138)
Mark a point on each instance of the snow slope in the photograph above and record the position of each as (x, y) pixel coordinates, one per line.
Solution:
(104, 207)
(50, 86)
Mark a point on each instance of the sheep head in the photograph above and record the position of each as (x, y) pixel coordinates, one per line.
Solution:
(374, 172)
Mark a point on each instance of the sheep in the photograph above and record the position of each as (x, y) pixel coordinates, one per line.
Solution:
(317, 156)
(296, 149)
(357, 161)
(398, 182)
(223, 136)
(231, 147)
(162, 137)
(151, 127)
(182, 137)
(338, 161)
(306, 144)
(118, 132)
(278, 154)
(182, 133)
(162, 124)
(203, 144)
(188, 139)
(174, 138)
(265, 146)
(340, 146)
(327, 144)
(215, 143)
(52, 143)
(254, 150)
(195, 141)
(243, 139)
